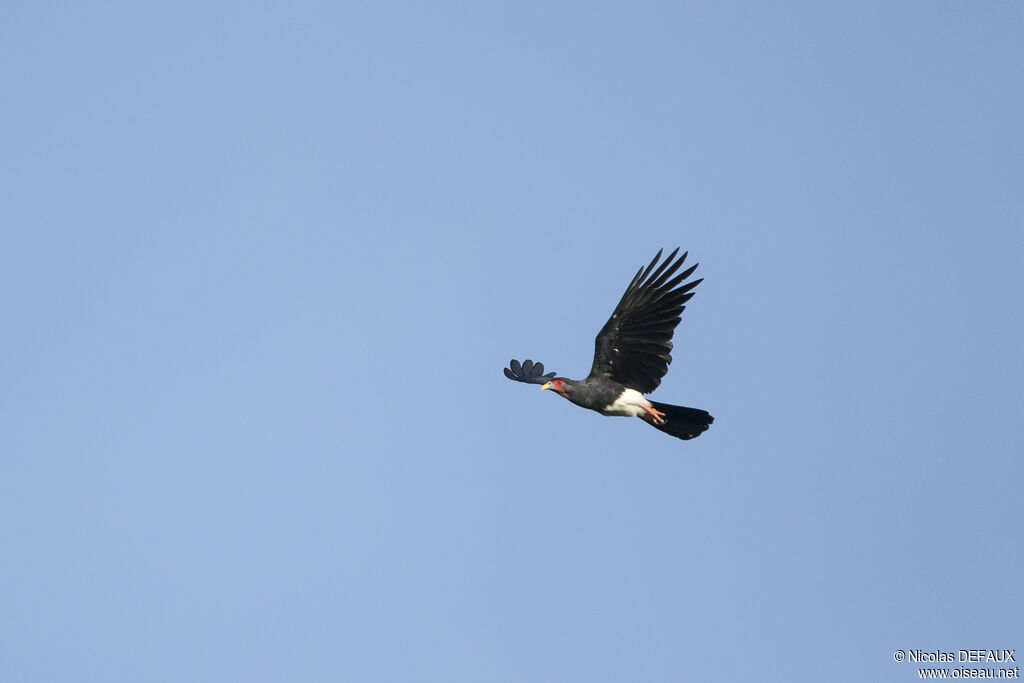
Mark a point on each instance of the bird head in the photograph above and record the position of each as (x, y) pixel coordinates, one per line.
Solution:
(559, 386)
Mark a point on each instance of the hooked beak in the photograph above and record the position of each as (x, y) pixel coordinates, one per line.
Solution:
(547, 385)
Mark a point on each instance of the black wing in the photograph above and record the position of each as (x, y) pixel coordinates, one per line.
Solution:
(529, 372)
(633, 346)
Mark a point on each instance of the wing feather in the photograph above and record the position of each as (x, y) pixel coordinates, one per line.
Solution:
(528, 372)
(633, 347)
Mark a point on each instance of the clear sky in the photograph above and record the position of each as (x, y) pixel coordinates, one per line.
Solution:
(261, 265)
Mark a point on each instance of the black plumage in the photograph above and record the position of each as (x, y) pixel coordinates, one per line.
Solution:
(633, 346)
(632, 353)
(529, 372)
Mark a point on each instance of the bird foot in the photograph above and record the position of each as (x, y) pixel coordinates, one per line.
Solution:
(655, 416)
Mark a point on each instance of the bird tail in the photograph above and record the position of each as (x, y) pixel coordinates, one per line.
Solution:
(680, 422)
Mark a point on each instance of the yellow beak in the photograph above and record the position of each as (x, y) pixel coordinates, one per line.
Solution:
(547, 385)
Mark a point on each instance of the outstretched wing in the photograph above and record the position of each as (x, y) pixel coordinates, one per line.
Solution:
(529, 372)
(633, 346)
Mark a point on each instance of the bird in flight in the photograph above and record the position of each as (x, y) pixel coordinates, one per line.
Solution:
(631, 354)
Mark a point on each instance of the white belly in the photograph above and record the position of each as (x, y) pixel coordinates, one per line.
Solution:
(630, 404)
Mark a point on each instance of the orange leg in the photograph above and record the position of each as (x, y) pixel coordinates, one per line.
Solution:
(654, 416)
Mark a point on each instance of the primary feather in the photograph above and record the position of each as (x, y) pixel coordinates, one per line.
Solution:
(633, 348)
(529, 372)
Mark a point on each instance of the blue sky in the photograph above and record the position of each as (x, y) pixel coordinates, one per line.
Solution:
(261, 265)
